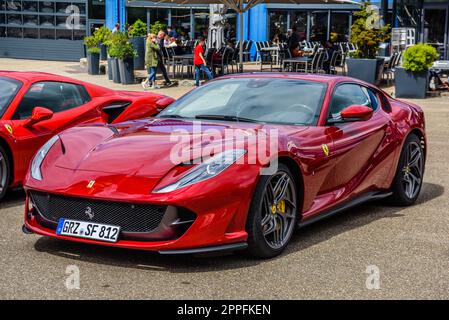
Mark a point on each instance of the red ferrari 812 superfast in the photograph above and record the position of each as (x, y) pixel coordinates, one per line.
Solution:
(34, 106)
(238, 163)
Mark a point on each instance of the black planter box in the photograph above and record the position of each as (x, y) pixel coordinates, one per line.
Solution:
(139, 45)
(93, 63)
(103, 52)
(369, 70)
(110, 62)
(115, 70)
(410, 84)
(126, 68)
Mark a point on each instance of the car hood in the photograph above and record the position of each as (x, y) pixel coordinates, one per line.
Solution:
(148, 148)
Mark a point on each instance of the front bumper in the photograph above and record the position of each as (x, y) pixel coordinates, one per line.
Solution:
(220, 207)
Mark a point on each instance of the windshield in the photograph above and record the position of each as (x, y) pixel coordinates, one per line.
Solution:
(8, 89)
(266, 100)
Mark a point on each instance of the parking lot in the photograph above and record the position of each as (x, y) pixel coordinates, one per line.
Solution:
(329, 260)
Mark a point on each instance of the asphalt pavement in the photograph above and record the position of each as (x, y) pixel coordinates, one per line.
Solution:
(405, 249)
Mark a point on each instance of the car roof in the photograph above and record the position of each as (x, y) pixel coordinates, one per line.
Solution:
(33, 76)
(324, 78)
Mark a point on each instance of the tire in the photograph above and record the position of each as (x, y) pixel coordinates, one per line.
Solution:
(408, 179)
(4, 172)
(272, 220)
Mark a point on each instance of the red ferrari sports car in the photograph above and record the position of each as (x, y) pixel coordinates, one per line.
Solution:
(182, 183)
(35, 106)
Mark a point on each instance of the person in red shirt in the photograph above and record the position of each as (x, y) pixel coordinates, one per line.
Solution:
(200, 62)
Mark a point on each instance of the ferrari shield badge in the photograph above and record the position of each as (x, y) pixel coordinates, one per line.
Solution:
(8, 128)
(325, 148)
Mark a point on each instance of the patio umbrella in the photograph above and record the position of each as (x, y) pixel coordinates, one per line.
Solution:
(241, 6)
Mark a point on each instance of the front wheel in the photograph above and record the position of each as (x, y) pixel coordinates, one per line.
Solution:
(408, 180)
(4, 172)
(272, 216)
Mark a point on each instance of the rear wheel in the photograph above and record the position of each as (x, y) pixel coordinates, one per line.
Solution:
(4, 172)
(272, 216)
(409, 173)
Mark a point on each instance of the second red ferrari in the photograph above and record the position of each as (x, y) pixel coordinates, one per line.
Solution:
(35, 106)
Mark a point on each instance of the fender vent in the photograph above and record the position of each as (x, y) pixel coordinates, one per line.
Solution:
(115, 109)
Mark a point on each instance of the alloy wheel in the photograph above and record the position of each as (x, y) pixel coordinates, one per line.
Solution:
(278, 210)
(412, 172)
(3, 173)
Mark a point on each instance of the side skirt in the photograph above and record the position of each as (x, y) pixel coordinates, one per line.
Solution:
(370, 196)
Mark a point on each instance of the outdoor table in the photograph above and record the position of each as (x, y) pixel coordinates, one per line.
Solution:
(296, 61)
(186, 60)
(441, 66)
(274, 52)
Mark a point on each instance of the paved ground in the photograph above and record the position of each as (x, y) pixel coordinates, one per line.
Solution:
(409, 246)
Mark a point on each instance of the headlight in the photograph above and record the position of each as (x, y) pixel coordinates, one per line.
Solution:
(40, 156)
(206, 170)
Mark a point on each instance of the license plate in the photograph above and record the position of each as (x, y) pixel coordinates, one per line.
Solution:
(89, 230)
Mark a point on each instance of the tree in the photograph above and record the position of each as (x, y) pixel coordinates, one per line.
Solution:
(368, 33)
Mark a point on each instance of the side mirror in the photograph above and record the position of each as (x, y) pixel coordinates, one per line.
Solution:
(354, 113)
(164, 102)
(39, 114)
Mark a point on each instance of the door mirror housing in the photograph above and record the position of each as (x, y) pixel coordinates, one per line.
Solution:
(354, 113)
(164, 102)
(39, 114)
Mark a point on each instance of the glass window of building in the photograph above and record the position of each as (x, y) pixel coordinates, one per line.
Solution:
(201, 17)
(158, 14)
(96, 9)
(134, 14)
(318, 25)
(299, 19)
(408, 13)
(339, 30)
(278, 23)
(180, 21)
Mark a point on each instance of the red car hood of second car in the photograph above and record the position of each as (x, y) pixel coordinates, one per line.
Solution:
(141, 148)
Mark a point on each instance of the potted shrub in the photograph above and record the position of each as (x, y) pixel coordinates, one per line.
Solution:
(157, 26)
(102, 35)
(126, 55)
(412, 79)
(137, 32)
(113, 43)
(93, 55)
(363, 63)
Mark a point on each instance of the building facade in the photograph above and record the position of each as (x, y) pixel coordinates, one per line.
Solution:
(430, 19)
(53, 29)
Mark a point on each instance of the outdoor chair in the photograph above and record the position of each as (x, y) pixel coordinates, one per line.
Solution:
(247, 50)
(333, 62)
(343, 66)
(226, 61)
(316, 64)
(388, 71)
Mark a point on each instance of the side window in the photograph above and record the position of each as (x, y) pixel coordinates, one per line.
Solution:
(346, 95)
(56, 96)
(373, 97)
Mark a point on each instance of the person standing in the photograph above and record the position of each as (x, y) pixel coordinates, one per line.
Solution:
(200, 62)
(116, 28)
(151, 62)
(160, 58)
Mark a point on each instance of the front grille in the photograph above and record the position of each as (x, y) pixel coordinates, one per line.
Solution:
(130, 217)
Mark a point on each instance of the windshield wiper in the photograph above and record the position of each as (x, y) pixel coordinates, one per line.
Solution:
(177, 116)
(226, 118)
